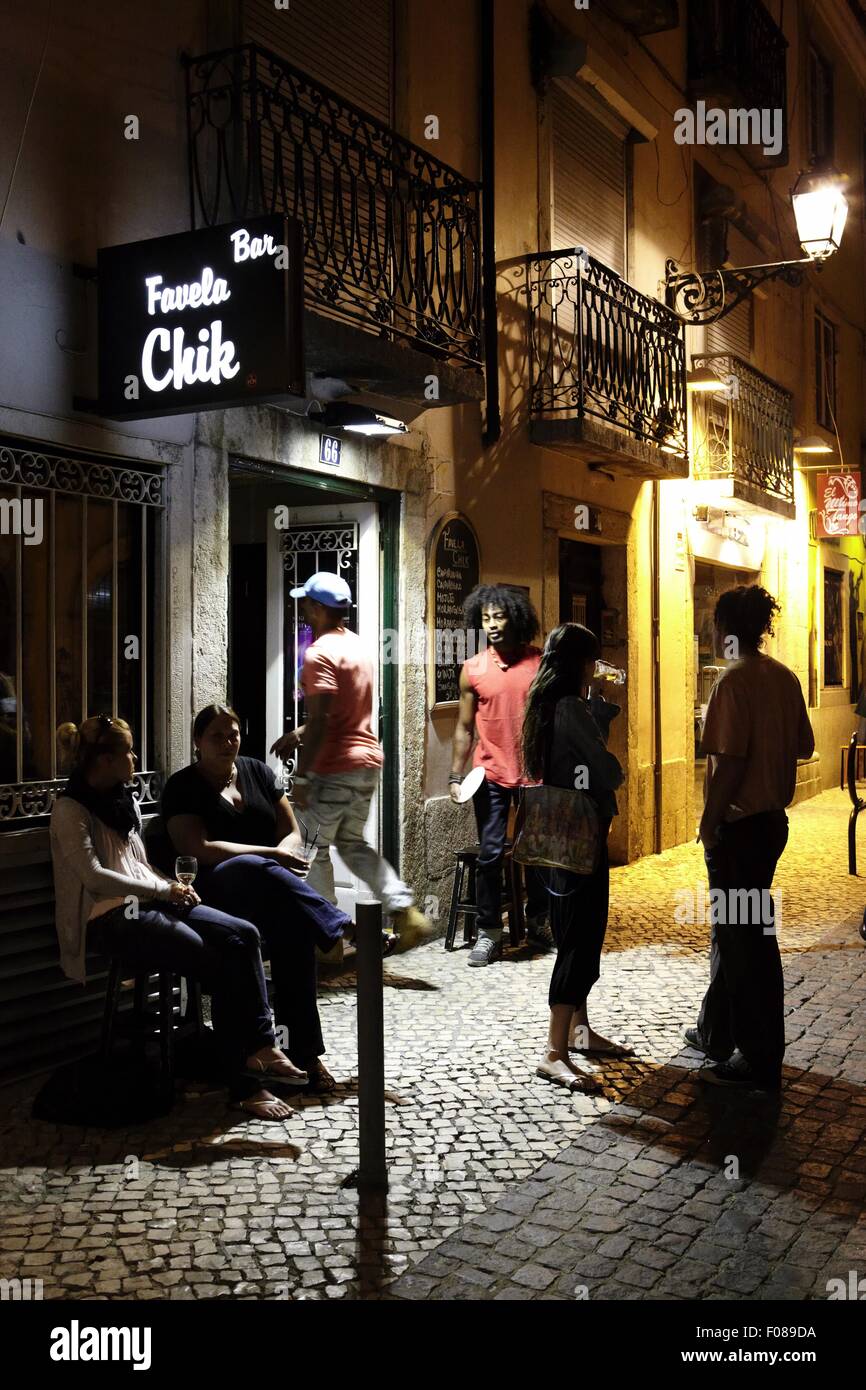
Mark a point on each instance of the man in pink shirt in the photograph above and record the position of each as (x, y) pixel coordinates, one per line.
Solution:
(340, 760)
(493, 690)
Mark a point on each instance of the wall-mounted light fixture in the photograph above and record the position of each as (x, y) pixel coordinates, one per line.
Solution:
(820, 211)
(359, 419)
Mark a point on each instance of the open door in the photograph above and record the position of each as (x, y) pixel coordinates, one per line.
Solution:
(343, 538)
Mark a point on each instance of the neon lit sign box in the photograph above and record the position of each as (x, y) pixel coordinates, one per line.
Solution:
(202, 320)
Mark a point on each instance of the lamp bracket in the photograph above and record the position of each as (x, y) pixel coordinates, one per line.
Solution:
(702, 299)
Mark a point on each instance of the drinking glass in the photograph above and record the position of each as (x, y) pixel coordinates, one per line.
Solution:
(185, 869)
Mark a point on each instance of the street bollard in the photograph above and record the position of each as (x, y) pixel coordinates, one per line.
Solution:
(372, 1169)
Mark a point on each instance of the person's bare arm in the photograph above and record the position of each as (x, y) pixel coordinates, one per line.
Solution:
(287, 825)
(315, 726)
(464, 731)
(286, 745)
(723, 781)
(188, 837)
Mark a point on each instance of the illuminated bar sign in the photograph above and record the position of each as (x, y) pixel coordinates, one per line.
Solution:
(838, 504)
(202, 320)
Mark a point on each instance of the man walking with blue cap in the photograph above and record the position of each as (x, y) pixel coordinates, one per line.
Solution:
(340, 759)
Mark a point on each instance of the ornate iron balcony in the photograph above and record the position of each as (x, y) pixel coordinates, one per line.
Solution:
(737, 54)
(598, 347)
(391, 233)
(745, 434)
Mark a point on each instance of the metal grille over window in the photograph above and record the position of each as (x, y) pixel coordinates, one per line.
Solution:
(78, 545)
(306, 550)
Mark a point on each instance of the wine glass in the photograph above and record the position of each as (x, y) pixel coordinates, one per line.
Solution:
(185, 869)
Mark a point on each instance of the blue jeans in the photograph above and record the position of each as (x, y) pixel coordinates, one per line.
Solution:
(491, 804)
(219, 951)
(293, 919)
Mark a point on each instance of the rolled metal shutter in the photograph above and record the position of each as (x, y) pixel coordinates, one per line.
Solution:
(346, 46)
(589, 179)
(734, 333)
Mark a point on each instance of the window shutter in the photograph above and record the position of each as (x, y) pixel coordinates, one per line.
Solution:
(346, 46)
(735, 332)
(589, 180)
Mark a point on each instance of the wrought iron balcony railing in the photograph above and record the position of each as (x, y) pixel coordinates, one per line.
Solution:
(737, 50)
(745, 433)
(599, 347)
(391, 233)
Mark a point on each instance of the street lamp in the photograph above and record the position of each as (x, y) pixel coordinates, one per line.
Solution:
(820, 210)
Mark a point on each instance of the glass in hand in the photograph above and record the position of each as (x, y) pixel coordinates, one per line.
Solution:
(185, 869)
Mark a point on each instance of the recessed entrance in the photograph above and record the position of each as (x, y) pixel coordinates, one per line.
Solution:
(284, 526)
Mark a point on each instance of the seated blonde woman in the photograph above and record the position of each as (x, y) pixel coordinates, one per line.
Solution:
(110, 899)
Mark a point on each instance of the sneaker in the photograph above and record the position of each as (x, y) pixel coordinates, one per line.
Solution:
(538, 931)
(696, 1042)
(485, 951)
(412, 928)
(738, 1075)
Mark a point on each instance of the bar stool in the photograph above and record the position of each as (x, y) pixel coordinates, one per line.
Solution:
(463, 900)
(156, 996)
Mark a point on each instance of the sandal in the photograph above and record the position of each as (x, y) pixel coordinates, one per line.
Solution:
(264, 1109)
(322, 1083)
(611, 1050)
(280, 1071)
(586, 1085)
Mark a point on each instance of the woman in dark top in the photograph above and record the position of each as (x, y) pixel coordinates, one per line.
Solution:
(229, 813)
(563, 731)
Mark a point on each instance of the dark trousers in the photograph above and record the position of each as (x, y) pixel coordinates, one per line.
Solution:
(492, 804)
(219, 951)
(292, 920)
(578, 921)
(744, 1005)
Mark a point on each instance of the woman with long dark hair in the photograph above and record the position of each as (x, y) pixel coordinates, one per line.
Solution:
(564, 745)
(111, 900)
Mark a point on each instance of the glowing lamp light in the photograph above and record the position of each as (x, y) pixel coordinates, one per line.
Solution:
(702, 379)
(359, 419)
(812, 444)
(820, 211)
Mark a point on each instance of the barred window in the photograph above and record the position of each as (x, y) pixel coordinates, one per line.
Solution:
(79, 623)
(825, 371)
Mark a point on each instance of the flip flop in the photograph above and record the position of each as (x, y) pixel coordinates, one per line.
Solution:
(322, 1083)
(261, 1072)
(258, 1109)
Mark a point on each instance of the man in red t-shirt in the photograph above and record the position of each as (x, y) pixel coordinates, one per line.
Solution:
(340, 760)
(493, 690)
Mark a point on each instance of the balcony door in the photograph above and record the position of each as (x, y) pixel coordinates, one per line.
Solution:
(589, 175)
(343, 538)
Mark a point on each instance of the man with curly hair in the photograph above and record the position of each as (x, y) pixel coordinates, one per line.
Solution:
(756, 728)
(494, 685)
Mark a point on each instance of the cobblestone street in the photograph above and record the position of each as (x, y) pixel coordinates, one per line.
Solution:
(501, 1186)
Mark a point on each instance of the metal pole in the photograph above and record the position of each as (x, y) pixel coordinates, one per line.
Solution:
(372, 1170)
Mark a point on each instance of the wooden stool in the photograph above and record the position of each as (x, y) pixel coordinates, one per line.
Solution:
(463, 897)
(859, 767)
(155, 997)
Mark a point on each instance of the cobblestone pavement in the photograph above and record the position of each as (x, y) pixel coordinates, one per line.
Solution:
(501, 1187)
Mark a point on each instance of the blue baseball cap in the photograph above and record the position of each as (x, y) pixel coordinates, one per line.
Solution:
(326, 588)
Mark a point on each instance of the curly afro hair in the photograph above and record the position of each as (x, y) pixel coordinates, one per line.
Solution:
(522, 617)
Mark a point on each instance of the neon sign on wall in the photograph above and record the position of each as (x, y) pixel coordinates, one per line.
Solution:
(201, 321)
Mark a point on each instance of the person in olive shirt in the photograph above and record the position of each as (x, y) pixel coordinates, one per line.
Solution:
(229, 812)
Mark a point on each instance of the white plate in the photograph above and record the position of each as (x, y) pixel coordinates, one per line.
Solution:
(470, 784)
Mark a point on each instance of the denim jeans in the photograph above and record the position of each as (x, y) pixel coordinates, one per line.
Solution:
(219, 951)
(338, 808)
(292, 919)
(744, 1006)
(491, 804)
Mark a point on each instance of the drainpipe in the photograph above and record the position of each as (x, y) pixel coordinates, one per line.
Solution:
(493, 424)
(657, 669)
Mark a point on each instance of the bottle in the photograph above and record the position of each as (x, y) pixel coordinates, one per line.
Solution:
(604, 671)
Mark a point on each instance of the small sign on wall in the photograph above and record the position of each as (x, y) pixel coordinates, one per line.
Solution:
(330, 449)
(453, 568)
(838, 504)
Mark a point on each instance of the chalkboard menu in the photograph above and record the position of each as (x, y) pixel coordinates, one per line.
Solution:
(454, 568)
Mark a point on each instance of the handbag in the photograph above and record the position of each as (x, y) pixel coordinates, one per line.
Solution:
(557, 827)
